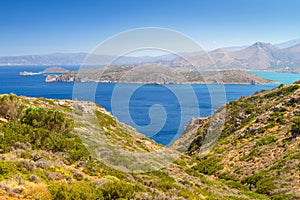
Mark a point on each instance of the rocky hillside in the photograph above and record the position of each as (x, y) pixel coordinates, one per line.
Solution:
(42, 157)
(259, 147)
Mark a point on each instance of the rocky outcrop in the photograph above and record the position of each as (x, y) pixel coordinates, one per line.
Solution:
(61, 78)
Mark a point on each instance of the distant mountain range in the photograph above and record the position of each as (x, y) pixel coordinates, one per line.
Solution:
(282, 45)
(259, 56)
(77, 59)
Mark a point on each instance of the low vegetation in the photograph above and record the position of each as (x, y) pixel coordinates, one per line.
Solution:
(257, 156)
(259, 147)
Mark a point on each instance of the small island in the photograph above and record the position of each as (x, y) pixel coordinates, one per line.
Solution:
(49, 70)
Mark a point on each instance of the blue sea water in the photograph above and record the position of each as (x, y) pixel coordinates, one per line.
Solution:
(285, 78)
(165, 108)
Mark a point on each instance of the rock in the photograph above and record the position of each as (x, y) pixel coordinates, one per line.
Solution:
(69, 180)
(242, 135)
(28, 165)
(41, 164)
(3, 119)
(54, 176)
(80, 164)
(275, 109)
(34, 179)
(51, 78)
(24, 146)
(78, 176)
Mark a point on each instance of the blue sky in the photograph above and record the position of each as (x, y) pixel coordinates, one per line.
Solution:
(46, 26)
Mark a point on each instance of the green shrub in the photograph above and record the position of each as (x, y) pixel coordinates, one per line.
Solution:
(44, 129)
(265, 186)
(118, 190)
(262, 183)
(227, 176)
(237, 185)
(10, 106)
(51, 120)
(76, 191)
(209, 166)
(295, 129)
(283, 197)
(268, 139)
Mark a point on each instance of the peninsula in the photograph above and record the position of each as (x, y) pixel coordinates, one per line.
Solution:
(156, 74)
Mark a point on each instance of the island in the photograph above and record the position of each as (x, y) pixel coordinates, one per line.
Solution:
(45, 71)
(156, 74)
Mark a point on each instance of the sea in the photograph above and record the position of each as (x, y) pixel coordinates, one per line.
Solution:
(160, 112)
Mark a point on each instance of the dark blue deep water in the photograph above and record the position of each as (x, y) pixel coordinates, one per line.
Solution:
(168, 112)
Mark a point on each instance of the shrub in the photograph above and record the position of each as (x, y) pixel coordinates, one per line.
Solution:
(78, 190)
(51, 120)
(118, 190)
(44, 129)
(209, 166)
(268, 139)
(10, 106)
(295, 129)
(262, 183)
(38, 192)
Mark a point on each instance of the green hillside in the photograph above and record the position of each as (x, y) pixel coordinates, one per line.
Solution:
(259, 147)
(256, 156)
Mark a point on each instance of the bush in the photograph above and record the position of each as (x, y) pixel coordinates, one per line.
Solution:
(79, 190)
(48, 130)
(209, 166)
(295, 129)
(38, 192)
(51, 120)
(262, 183)
(10, 106)
(118, 190)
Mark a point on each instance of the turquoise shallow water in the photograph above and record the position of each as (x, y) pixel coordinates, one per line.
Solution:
(141, 101)
(285, 78)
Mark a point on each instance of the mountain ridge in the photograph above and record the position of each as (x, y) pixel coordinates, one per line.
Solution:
(260, 55)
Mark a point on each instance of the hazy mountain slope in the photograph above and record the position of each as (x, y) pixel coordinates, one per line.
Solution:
(259, 56)
(288, 44)
(77, 59)
(259, 146)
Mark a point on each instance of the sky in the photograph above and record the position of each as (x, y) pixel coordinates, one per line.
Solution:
(48, 26)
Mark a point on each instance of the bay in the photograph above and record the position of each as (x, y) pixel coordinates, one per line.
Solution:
(159, 112)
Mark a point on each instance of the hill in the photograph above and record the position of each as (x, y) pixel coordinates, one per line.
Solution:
(43, 157)
(255, 157)
(259, 146)
(158, 74)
